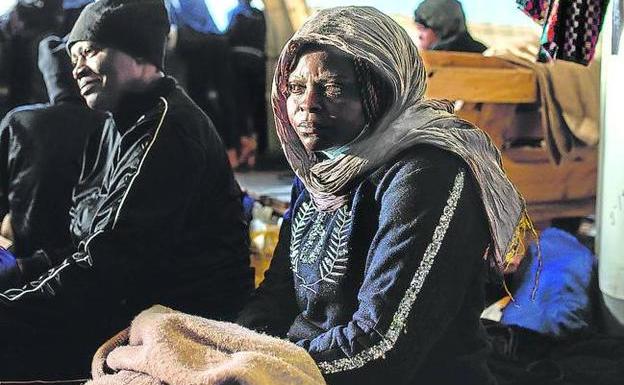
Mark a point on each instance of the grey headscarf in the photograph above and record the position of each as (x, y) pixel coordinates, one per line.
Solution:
(368, 34)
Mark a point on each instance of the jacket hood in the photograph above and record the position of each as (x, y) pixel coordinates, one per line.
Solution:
(445, 17)
(56, 68)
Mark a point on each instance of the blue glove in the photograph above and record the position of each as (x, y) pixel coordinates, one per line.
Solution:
(9, 270)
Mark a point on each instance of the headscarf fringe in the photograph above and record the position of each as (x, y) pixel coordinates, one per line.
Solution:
(517, 249)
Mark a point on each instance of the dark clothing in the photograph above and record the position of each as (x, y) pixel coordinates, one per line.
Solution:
(247, 37)
(41, 149)
(40, 154)
(447, 19)
(21, 29)
(248, 29)
(462, 42)
(524, 357)
(389, 287)
(158, 218)
(210, 80)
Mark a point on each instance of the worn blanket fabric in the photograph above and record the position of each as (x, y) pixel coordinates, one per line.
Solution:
(369, 35)
(569, 95)
(163, 346)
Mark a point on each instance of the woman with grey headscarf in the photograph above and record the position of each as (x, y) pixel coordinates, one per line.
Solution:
(397, 205)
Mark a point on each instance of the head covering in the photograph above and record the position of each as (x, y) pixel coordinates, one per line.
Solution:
(56, 69)
(367, 34)
(445, 17)
(37, 16)
(137, 27)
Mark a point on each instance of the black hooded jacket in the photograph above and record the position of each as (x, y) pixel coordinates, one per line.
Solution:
(157, 218)
(40, 154)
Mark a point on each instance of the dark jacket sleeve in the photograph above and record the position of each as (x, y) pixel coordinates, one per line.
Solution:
(273, 306)
(426, 252)
(131, 251)
(5, 139)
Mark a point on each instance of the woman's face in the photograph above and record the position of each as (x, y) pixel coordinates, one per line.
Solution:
(323, 104)
(426, 37)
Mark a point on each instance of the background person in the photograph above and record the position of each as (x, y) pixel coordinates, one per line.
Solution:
(41, 153)
(441, 26)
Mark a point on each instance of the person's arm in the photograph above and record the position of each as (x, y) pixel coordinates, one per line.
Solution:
(5, 140)
(431, 236)
(9, 268)
(273, 306)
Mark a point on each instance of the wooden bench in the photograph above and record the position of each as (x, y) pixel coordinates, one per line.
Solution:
(501, 98)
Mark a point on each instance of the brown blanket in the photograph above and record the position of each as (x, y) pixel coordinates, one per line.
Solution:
(569, 96)
(163, 346)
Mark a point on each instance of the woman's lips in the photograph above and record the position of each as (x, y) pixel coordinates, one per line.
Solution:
(310, 128)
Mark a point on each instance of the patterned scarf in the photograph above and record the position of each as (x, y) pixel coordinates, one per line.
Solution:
(369, 35)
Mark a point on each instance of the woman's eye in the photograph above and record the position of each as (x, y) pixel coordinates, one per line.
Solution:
(333, 89)
(295, 88)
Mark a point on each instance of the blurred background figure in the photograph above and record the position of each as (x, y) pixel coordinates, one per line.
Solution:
(203, 53)
(41, 148)
(71, 11)
(247, 37)
(441, 26)
(21, 29)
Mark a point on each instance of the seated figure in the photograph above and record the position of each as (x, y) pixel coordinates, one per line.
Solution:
(41, 152)
(157, 216)
(398, 209)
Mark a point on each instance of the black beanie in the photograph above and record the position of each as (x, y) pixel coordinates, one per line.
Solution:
(137, 27)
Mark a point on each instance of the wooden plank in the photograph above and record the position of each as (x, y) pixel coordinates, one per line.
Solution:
(546, 183)
(493, 118)
(476, 78)
(482, 85)
(542, 213)
(434, 59)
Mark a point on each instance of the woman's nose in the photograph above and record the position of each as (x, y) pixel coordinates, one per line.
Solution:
(311, 100)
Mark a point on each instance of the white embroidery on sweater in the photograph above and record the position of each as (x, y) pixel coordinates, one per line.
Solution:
(334, 260)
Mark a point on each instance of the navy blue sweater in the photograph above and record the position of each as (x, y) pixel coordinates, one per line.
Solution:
(388, 288)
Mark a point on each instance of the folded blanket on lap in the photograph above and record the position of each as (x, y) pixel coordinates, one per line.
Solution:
(165, 346)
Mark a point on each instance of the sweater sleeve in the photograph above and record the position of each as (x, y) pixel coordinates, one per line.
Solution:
(273, 306)
(431, 236)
